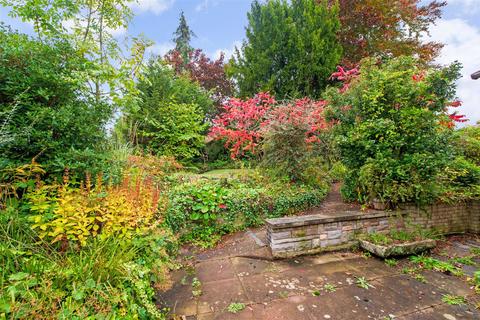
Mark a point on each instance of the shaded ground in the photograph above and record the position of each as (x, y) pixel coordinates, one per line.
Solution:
(316, 287)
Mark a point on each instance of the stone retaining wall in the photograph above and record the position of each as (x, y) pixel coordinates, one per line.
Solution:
(292, 236)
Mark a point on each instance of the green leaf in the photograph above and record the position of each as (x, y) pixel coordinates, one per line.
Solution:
(18, 276)
(78, 294)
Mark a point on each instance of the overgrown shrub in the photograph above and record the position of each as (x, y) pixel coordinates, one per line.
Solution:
(459, 181)
(95, 249)
(283, 136)
(233, 204)
(468, 143)
(47, 101)
(169, 117)
(393, 132)
(292, 132)
(68, 214)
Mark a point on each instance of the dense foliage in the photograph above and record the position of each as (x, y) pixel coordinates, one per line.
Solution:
(468, 143)
(210, 74)
(90, 222)
(393, 131)
(46, 107)
(169, 118)
(88, 27)
(71, 252)
(386, 28)
(202, 208)
(284, 136)
(291, 49)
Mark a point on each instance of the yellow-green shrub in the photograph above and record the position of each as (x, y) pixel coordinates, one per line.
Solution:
(65, 213)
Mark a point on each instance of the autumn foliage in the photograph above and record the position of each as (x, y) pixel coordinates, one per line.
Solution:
(372, 28)
(210, 74)
(63, 213)
(244, 123)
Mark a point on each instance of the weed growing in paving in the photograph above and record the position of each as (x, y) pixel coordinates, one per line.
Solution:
(197, 287)
(410, 271)
(453, 300)
(330, 287)
(235, 307)
(363, 283)
(315, 293)
(464, 260)
(430, 263)
(476, 281)
(366, 255)
(414, 273)
(391, 262)
(420, 278)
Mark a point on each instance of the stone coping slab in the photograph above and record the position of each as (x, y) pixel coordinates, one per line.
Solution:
(314, 219)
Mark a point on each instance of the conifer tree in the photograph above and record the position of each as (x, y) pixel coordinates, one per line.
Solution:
(182, 37)
(291, 49)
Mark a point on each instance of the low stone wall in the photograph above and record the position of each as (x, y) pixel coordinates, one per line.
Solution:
(292, 236)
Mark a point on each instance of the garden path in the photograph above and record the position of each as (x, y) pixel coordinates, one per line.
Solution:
(323, 286)
(334, 204)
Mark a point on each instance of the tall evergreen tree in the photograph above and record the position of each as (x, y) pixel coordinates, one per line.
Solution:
(291, 48)
(182, 37)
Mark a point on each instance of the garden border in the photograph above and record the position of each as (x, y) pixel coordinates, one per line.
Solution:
(309, 234)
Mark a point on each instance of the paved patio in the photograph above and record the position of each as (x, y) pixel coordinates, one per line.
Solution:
(241, 271)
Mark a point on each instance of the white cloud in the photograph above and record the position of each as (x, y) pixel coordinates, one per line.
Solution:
(228, 52)
(161, 48)
(155, 6)
(204, 4)
(462, 43)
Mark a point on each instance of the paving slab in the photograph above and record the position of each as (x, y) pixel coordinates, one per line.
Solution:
(372, 267)
(248, 266)
(444, 312)
(217, 296)
(448, 284)
(268, 287)
(179, 299)
(215, 270)
(295, 289)
(293, 307)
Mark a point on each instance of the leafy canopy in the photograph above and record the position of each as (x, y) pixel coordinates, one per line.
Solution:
(209, 74)
(169, 118)
(393, 130)
(373, 28)
(88, 26)
(48, 103)
(291, 49)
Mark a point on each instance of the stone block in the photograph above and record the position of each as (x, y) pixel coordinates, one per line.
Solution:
(280, 235)
(330, 226)
(334, 234)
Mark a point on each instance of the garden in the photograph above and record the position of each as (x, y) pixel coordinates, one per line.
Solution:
(114, 162)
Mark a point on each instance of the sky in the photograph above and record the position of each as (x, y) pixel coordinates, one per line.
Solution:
(220, 25)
